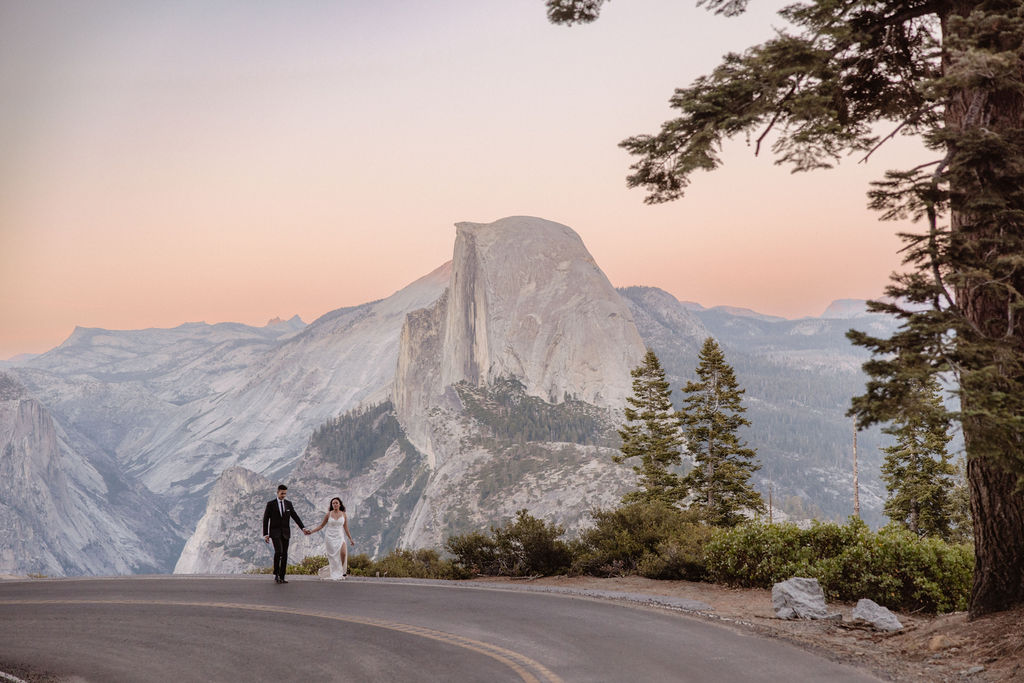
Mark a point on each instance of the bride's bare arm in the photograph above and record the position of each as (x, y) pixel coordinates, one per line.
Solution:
(321, 525)
(347, 533)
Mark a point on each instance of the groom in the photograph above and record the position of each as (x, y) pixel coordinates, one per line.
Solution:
(277, 526)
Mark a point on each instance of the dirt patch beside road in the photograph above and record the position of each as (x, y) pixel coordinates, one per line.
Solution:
(929, 648)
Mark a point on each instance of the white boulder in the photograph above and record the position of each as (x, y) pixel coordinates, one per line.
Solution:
(800, 598)
(876, 615)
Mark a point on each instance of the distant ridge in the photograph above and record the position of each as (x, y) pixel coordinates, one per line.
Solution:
(745, 313)
(295, 320)
(843, 309)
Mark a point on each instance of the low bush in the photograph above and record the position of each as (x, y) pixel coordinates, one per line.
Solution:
(649, 539)
(359, 565)
(893, 567)
(476, 552)
(414, 564)
(308, 565)
(417, 564)
(525, 546)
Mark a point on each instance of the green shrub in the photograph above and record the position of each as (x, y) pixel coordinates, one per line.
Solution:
(647, 538)
(893, 567)
(475, 551)
(419, 564)
(416, 564)
(359, 565)
(530, 546)
(308, 565)
(525, 546)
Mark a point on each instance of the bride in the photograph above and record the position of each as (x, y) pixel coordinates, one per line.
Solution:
(336, 522)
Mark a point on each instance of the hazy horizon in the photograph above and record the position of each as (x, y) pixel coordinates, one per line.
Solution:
(284, 317)
(231, 162)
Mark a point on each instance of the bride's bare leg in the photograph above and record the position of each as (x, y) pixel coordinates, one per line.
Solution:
(344, 558)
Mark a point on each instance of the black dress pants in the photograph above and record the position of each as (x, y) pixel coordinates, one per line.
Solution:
(280, 555)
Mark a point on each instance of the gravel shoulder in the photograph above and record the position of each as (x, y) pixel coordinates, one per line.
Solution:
(929, 648)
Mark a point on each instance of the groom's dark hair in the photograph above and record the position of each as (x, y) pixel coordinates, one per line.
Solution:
(282, 487)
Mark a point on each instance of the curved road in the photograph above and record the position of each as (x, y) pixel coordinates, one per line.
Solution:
(247, 628)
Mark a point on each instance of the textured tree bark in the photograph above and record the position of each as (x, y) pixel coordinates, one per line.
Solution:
(998, 513)
(997, 503)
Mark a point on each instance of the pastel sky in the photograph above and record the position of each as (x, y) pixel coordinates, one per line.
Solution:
(162, 163)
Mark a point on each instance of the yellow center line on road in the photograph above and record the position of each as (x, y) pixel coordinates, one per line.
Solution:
(527, 669)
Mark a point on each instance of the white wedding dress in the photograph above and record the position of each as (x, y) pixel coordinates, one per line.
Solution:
(334, 538)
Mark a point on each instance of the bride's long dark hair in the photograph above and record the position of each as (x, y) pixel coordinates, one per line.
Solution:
(330, 506)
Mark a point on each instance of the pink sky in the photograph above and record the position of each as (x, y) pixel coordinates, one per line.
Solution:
(235, 161)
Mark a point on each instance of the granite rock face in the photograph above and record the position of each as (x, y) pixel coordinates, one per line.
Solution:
(67, 512)
(525, 301)
(228, 540)
(496, 461)
(262, 419)
(529, 322)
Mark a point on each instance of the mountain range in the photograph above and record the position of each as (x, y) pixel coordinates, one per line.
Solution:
(492, 384)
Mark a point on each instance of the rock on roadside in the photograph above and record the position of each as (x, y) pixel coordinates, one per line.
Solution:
(876, 615)
(801, 598)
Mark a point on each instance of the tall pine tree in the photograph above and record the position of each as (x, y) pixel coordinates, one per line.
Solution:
(651, 435)
(950, 72)
(917, 472)
(711, 417)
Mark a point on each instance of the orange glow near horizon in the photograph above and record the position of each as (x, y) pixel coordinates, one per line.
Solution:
(239, 163)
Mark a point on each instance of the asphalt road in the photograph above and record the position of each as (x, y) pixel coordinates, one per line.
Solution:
(247, 628)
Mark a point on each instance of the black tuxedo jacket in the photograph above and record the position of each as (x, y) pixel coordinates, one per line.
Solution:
(274, 525)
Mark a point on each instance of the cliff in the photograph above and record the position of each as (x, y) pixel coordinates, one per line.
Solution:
(70, 512)
(525, 301)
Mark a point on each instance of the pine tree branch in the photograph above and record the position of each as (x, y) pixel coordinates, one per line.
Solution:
(930, 163)
(933, 230)
(917, 116)
(910, 11)
(775, 119)
(884, 140)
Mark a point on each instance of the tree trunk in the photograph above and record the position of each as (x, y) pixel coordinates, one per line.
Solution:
(856, 476)
(998, 513)
(997, 504)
